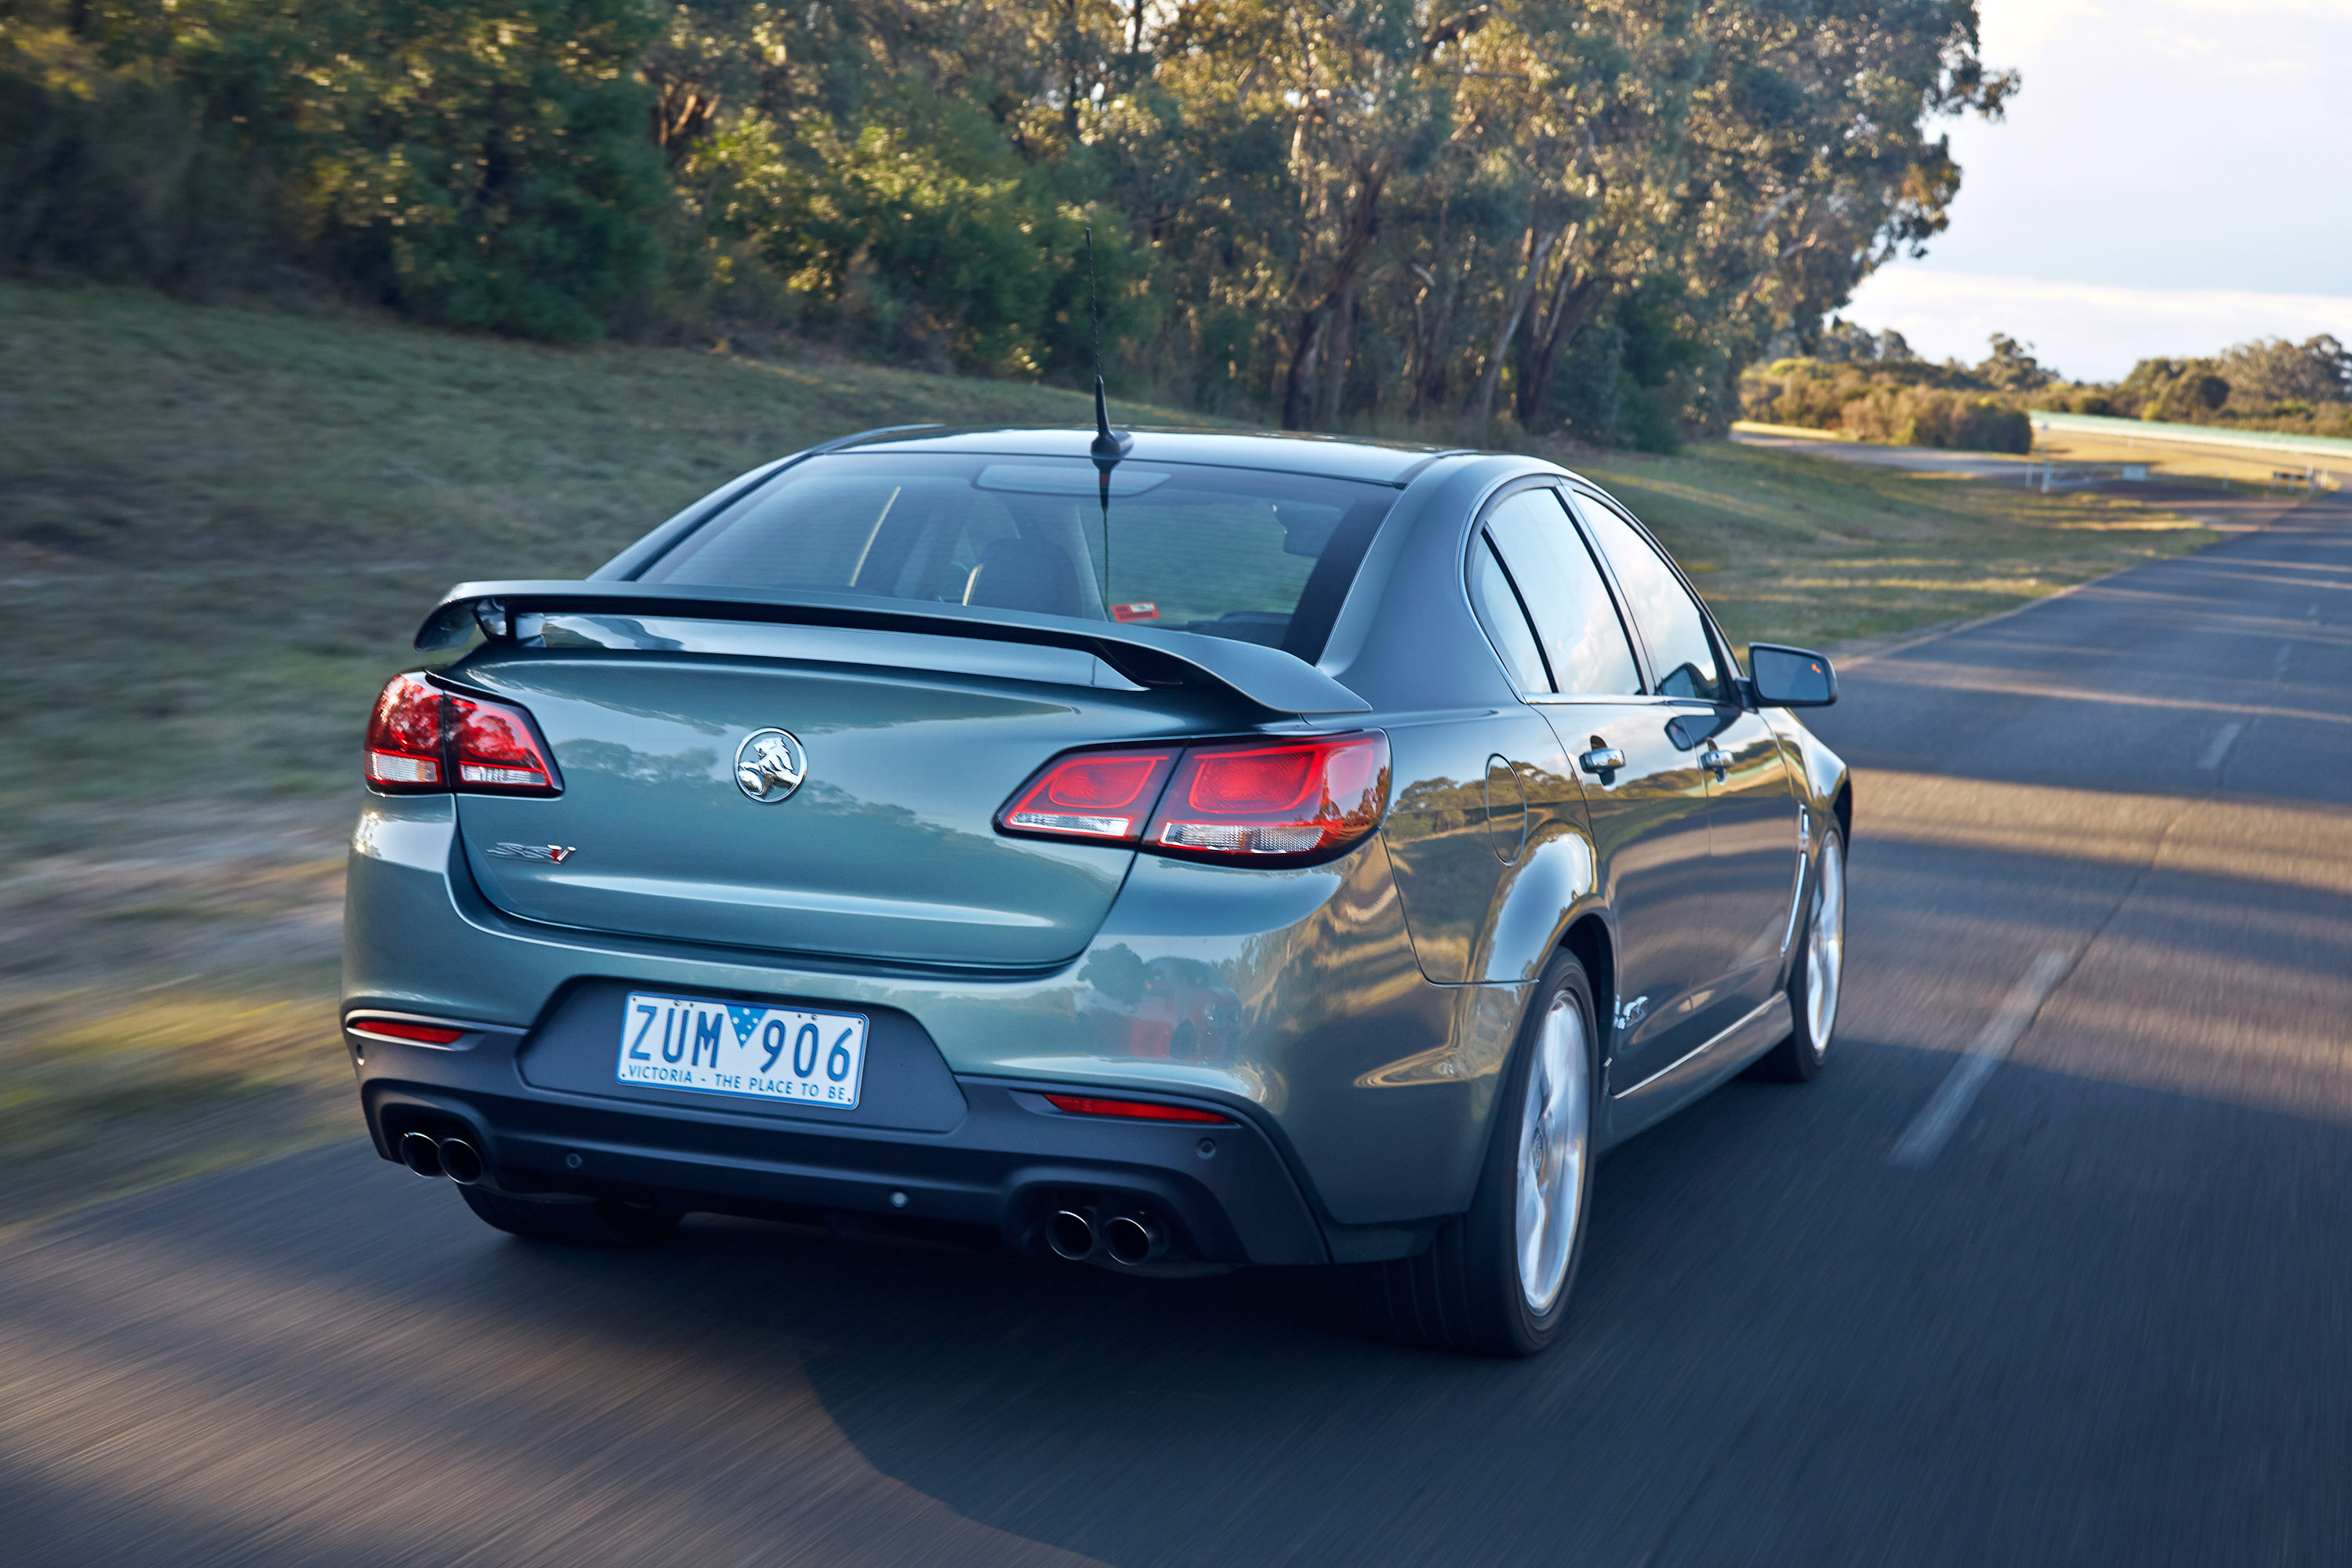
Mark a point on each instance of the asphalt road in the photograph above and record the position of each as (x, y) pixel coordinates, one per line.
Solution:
(2096, 1314)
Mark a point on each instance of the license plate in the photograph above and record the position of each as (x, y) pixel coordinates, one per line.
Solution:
(722, 1048)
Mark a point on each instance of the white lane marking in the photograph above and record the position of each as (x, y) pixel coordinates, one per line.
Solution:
(1926, 1136)
(2220, 746)
(2278, 663)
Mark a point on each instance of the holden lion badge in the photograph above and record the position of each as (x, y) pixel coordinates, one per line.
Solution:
(769, 766)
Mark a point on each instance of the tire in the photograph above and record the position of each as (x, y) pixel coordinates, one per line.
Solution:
(1468, 1291)
(577, 1222)
(1817, 975)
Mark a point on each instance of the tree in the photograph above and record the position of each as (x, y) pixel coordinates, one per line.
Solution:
(2273, 370)
(2011, 367)
(1561, 213)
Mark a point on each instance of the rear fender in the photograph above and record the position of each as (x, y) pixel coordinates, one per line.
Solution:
(1551, 885)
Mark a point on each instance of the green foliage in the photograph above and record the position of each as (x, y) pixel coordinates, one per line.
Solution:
(1934, 416)
(2011, 367)
(1551, 215)
(2172, 389)
(926, 234)
(538, 224)
(482, 165)
(110, 167)
(1853, 387)
(2273, 370)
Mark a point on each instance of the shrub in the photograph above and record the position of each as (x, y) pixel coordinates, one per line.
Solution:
(482, 163)
(1933, 416)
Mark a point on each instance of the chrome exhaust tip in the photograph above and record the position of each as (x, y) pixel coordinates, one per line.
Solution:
(460, 1161)
(1135, 1239)
(1071, 1233)
(421, 1155)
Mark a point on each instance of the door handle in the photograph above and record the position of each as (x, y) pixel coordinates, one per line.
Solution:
(1602, 760)
(1719, 759)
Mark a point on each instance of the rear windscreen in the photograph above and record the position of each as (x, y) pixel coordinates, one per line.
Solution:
(1234, 552)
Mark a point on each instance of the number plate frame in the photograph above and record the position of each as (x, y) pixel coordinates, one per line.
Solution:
(697, 1046)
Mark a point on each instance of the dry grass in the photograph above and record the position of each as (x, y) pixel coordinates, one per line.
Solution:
(2240, 467)
(1787, 547)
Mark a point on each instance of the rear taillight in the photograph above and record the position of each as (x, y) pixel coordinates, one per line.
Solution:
(1091, 795)
(497, 748)
(404, 738)
(422, 738)
(1248, 802)
(1254, 802)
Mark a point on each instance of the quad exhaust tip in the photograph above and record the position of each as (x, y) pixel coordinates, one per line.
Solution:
(1135, 1239)
(1071, 1233)
(1129, 1240)
(421, 1155)
(451, 1157)
(460, 1162)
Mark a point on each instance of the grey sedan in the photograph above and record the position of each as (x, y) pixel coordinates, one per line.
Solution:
(1167, 851)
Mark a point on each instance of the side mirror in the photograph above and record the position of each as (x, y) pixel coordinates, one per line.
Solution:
(1789, 677)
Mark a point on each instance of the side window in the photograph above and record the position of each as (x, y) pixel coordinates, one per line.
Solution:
(1498, 607)
(1681, 653)
(1583, 641)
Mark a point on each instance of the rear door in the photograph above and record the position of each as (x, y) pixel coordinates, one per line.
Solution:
(1476, 790)
(1753, 817)
(1647, 808)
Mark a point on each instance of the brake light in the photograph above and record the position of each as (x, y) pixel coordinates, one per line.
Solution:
(423, 739)
(404, 738)
(1254, 804)
(1102, 796)
(394, 1028)
(1136, 1110)
(496, 747)
(1250, 802)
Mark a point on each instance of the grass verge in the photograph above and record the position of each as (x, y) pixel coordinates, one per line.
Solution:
(1787, 547)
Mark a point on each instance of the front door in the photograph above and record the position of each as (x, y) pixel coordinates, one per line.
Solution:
(1751, 809)
(1753, 823)
(1649, 815)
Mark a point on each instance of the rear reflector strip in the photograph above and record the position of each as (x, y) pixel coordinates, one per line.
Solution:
(399, 1029)
(1134, 1110)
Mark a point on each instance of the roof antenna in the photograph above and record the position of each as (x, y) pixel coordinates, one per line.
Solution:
(1110, 444)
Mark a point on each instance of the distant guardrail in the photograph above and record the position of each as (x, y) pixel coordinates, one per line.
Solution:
(2172, 434)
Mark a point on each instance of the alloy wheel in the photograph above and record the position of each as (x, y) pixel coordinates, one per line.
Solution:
(1553, 1131)
(1825, 946)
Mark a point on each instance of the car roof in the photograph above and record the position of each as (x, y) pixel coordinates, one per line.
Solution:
(1324, 456)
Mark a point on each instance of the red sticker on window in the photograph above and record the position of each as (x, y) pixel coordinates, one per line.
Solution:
(1141, 610)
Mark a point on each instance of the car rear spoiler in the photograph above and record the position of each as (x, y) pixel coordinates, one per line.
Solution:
(1273, 679)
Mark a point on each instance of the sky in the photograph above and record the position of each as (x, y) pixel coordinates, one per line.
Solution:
(2174, 176)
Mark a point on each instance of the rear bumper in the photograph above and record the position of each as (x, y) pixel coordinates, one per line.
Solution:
(1288, 1001)
(1010, 1160)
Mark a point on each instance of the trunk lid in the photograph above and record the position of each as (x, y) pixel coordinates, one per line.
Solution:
(886, 851)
